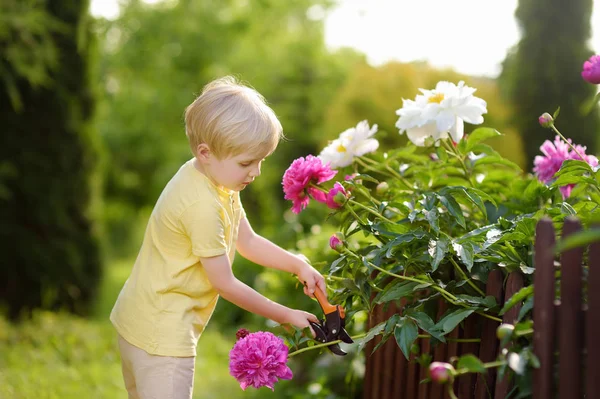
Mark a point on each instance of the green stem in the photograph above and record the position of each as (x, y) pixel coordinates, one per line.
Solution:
(369, 167)
(453, 151)
(370, 210)
(451, 298)
(415, 280)
(395, 174)
(464, 340)
(489, 365)
(336, 278)
(463, 275)
(451, 392)
(521, 333)
(567, 141)
(319, 346)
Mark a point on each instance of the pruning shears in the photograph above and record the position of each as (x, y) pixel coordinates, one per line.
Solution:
(333, 327)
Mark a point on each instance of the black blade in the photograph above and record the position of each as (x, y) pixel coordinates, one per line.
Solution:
(321, 335)
(337, 350)
(345, 337)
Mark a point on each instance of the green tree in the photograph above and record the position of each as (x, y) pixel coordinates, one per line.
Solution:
(543, 72)
(50, 253)
(156, 58)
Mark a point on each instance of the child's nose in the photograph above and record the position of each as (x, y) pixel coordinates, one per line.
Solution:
(255, 171)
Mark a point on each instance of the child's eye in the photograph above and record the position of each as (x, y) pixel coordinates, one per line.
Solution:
(245, 164)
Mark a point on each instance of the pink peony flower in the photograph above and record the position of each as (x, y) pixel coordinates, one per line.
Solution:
(336, 196)
(591, 70)
(555, 154)
(259, 359)
(298, 177)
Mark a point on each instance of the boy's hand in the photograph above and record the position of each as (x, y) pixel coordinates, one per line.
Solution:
(300, 319)
(310, 277)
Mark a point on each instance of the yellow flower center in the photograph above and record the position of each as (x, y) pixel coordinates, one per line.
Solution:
(436, 98)
(341, 148)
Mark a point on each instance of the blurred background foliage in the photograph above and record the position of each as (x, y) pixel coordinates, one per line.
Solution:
(92, 113)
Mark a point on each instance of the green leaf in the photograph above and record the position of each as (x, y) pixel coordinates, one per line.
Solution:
(373, 332)
(527, 306)
(454, 209)
(465, 253)
(470, 363)
(406, 333)
(451, 320)
(425, 323)
(487, 302)
(438, 250)
(567, 209)
(517, 298)
(485, 149)
(556, 113)
(395, 290)
(337, 264)
(480, 134)
(432, 218)
(579, 239)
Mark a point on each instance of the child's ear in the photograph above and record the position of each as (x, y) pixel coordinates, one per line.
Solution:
(203, 152)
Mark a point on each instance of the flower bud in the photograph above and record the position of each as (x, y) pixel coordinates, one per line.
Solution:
(441, 373)
(336, 197)
(336, 242)
(382, 188)
(546, 120)
(503, 330)
(241, 333)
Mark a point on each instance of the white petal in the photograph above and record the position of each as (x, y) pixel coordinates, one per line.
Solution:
(445, 121)
(458, 130)
(365, 147)
(417, 135)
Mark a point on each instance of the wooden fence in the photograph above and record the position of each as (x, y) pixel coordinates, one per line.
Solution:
(563, 327)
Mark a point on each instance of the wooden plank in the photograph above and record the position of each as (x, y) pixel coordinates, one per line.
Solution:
(452, 352)
(543, 311)
(593, 323)
(489, 344)
(373, 390)
(513, 284)
(411, 378)
(387, 359)
(436, 391)
(423, 370)
(571, 330)
(401, 368)
(466, 383)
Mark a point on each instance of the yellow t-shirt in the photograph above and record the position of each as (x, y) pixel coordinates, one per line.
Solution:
(167, 301)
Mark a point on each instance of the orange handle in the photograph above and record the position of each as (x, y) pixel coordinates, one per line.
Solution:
(325, 305)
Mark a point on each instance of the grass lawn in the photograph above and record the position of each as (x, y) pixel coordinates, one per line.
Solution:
(57, 355)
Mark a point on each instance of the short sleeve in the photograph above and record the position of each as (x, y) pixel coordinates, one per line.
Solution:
(204, 223)
(240, 207)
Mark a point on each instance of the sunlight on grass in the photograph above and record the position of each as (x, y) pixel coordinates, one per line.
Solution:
(61, 356)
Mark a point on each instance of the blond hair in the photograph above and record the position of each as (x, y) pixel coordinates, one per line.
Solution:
(232, 118)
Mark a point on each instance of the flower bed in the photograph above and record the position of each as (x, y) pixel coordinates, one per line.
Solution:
(426, 224)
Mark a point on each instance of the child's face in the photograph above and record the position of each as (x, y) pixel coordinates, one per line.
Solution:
(235, 173)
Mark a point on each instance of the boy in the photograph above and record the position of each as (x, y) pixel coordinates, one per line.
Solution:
(196, 226)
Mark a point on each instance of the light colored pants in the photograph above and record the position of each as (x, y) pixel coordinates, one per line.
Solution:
(155, 377)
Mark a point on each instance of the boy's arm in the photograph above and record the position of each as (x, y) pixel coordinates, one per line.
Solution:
(218, 271)
(263, 252)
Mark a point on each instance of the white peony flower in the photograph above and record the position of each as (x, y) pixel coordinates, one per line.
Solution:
(440, 112)
(353, 142)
